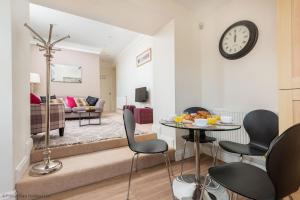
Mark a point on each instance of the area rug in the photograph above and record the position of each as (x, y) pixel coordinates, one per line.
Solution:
(83, 135)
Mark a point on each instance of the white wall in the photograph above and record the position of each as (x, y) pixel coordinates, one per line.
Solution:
(187, 62)
(129, 76)
(90, 63)
(14, 117)
(6, 129)
(21, 87)
(247, 83)
(164, 80)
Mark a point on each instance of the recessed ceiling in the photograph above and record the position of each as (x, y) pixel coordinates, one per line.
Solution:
(85, 33)
(142, 16)
(200, 7)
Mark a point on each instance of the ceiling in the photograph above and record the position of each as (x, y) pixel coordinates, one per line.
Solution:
(86, 34)
(88, 23)
(200, 7)
(142, 16)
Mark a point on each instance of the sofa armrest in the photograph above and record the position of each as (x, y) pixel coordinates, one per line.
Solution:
(38, 117)
(100, 105)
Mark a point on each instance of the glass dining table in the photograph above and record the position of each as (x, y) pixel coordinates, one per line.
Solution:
(188, 187)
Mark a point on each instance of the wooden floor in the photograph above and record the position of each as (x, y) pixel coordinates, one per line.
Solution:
(148, 184)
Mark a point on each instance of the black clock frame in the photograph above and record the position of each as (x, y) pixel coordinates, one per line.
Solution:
(250, 44)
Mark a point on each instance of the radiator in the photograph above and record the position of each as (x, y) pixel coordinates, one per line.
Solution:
(239, 136)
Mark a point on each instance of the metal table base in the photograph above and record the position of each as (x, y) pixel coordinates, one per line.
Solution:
(184, 188)
(188, 187)
(89, 119)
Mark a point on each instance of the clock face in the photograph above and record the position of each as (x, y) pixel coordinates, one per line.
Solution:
(238, 40)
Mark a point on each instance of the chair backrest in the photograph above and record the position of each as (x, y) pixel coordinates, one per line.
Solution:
(262, 128)
(283, 162)
(194, 110)
(129, 124)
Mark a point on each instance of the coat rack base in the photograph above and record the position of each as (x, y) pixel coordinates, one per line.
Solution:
(42, 168)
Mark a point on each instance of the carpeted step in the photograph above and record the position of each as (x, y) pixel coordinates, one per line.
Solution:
(77, 149)
(83, 170)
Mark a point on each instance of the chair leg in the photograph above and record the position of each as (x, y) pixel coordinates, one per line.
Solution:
(232, 196)
(136, 163)
(169, 173)
(170, 165)
(182, 157)
(241, 158)
(203, 187)
(212, 149)
(216, 156)
(130, 175)
(236, 196)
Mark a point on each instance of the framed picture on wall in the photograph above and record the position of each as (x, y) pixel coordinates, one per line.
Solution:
(66, 73)
(144, 58)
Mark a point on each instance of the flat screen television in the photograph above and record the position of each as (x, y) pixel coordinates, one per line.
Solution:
(141, 94)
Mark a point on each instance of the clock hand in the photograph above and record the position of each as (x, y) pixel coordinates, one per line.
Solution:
(235, 38)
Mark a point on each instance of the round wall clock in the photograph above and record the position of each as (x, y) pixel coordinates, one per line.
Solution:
(238, 40)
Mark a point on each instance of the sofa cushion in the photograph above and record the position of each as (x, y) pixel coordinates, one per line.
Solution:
(43, 98)
(71, 102)
(68, 110)
(76, 109)
(34, 99)
(81, 102)
(92, 101)
(57, 101)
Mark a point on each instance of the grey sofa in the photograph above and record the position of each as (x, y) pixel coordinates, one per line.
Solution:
(72, 113)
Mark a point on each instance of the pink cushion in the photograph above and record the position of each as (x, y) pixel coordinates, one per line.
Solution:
(35, 99)
(71, 102)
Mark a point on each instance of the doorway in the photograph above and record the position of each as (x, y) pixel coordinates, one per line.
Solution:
(108, 87)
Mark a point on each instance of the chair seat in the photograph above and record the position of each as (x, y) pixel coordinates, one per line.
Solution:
(206, 139)
(152, 146)
(243, 149)
(244, 179)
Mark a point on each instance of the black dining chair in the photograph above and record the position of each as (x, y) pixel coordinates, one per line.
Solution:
(262, 128)
(146, 147)
(190, 137)
(282, 175)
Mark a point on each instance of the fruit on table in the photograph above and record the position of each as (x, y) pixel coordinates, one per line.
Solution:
(198, 115)
(178, 119)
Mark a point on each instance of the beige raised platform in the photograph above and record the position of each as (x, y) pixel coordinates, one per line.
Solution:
(71, 150)
(85, 169)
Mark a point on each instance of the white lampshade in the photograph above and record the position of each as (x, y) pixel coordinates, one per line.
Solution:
(35, 78)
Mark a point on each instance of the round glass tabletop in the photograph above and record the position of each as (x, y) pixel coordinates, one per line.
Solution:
(190, 126)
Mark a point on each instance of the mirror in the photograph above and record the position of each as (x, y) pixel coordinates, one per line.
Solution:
(66, 73)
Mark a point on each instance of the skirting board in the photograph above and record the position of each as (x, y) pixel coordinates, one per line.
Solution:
(24, 163)
(8, 195)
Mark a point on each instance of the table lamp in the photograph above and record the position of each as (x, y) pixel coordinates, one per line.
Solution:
(34, 79)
